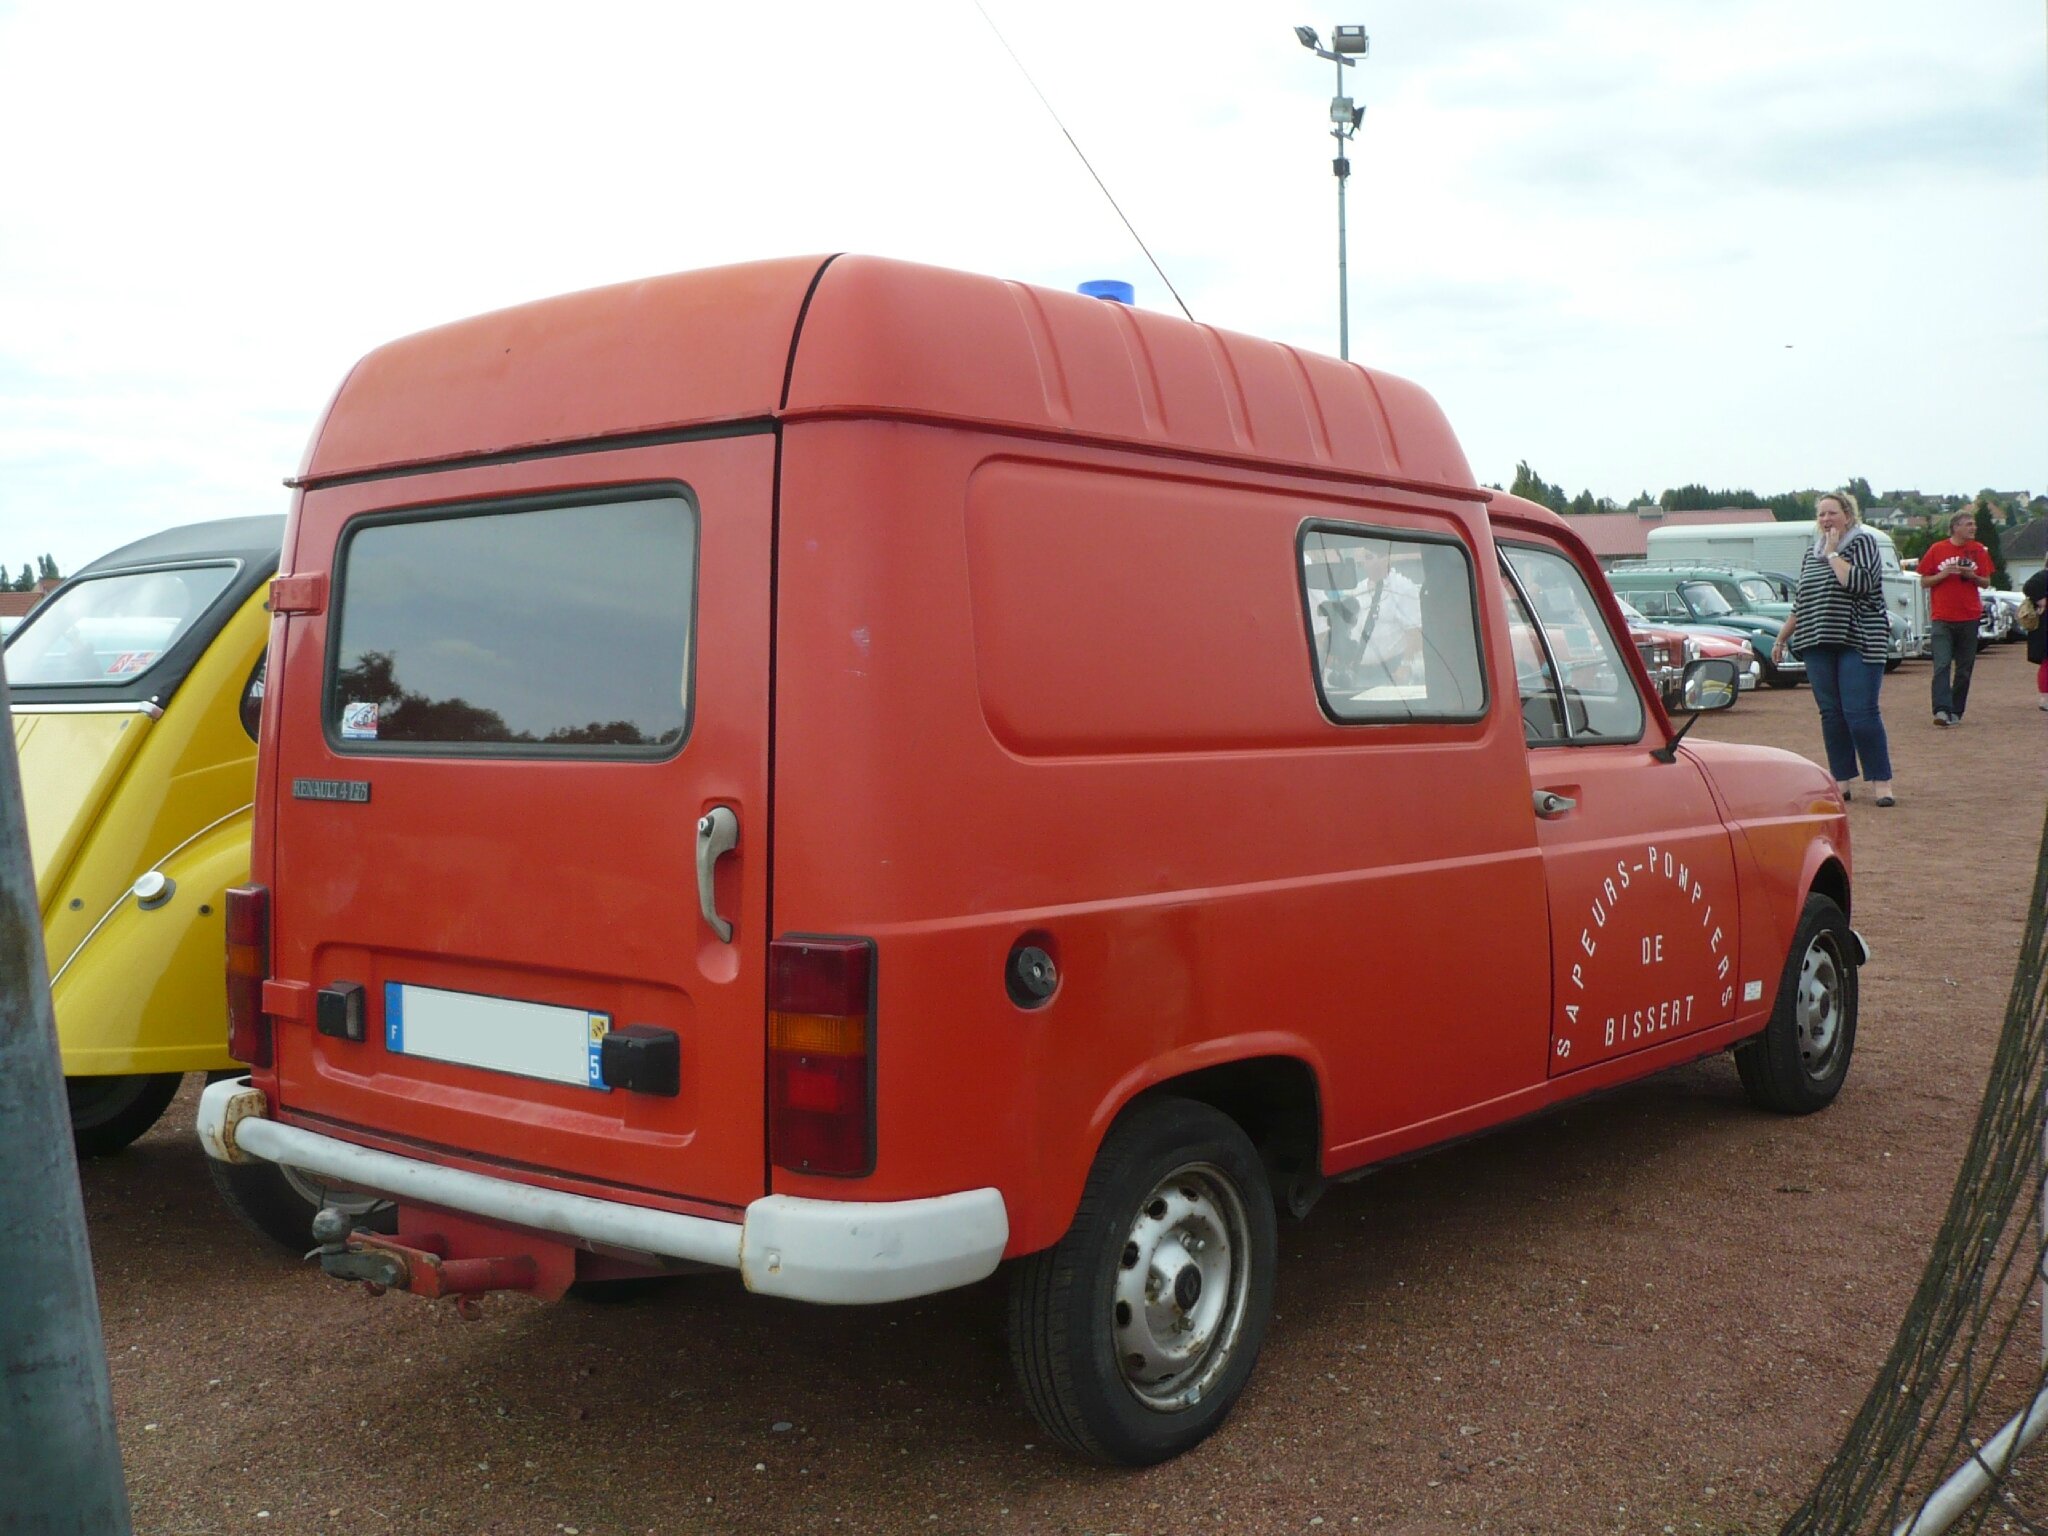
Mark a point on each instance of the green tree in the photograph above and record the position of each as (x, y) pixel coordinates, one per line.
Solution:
(1531, 486)
(46, 568)
(1859, 487)
(1989, 509)
(1792, 506)
(26, 581)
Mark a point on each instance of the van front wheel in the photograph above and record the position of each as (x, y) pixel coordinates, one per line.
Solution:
(280, 1203)
(1800, 1061)
(1135, 1333)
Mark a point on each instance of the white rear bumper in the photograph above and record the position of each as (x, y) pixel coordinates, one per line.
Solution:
(841, 1251)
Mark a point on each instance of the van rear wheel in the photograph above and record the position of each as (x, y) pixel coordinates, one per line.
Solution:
(1133, 1335)
(107, 1113)
(280, 1202)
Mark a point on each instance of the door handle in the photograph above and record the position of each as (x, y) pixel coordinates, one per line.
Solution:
(718, 833)
(1550, 804)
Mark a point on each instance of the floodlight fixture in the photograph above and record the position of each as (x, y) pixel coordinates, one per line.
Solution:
(1350, 40)
(1308, 37)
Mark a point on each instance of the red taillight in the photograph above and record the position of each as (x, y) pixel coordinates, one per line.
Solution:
(821, 1055)
(248, 924)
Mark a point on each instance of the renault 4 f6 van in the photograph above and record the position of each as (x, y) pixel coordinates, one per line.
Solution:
(858, 774)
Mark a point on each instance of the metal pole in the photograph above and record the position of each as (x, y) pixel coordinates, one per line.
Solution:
(1342, 167)
(60, 1463)
(1967, 1483)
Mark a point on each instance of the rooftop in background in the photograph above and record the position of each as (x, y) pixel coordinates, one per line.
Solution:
(2029, 541)
(14, 604)
(1614, 536)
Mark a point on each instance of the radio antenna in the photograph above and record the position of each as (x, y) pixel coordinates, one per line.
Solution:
(1084, 159)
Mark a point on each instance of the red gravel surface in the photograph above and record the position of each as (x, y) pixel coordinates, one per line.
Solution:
(1655, 1312)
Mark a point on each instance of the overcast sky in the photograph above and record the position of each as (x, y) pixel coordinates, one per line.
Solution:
(1769, 244)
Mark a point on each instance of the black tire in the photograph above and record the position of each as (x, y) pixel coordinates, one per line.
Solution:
(109, 1112)
(1800, 1061)
(1778, 677)
(1893, 663)
(280, 1203)
(1176, 1209)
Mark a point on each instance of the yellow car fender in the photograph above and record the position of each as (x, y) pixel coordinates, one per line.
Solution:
(145, 990)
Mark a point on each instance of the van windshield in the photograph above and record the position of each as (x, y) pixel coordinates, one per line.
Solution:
(111, 629)
(532, 629)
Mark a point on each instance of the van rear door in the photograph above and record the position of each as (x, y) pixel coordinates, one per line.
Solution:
(507, 695)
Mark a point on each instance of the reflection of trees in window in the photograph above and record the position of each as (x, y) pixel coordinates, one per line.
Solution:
(403, 715)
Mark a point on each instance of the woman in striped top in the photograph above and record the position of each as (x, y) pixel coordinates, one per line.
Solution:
(1839, 624)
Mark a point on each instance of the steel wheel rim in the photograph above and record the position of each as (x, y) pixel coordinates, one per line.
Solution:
(349, 1202)
(1817, 1021)
(1178, 1298)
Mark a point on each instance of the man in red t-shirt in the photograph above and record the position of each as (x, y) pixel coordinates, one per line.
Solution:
(1952, 570)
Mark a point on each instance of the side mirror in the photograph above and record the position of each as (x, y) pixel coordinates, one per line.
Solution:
(1709, 683)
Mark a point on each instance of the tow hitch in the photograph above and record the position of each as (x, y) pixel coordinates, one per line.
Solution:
(384, 1264)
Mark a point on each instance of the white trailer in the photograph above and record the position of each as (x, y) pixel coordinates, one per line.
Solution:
(1781, 547)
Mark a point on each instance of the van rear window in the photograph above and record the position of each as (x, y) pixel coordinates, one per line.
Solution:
(525, 630)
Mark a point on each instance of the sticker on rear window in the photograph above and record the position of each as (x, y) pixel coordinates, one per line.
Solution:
(358, 721)
(130, 661)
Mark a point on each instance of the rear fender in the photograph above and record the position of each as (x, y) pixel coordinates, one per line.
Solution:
(1203, 1070)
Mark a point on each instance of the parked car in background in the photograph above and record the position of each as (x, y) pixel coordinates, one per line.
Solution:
(2001, 621)
(1664, 650)
(137, 687)
(1705, 640)
(1706, 595)
(1774, 548)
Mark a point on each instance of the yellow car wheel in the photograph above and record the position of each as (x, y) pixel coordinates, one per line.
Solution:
(109, 1112)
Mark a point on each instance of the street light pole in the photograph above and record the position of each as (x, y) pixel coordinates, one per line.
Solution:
(1344, 120)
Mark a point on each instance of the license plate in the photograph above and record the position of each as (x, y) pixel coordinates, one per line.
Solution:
(499, 1034)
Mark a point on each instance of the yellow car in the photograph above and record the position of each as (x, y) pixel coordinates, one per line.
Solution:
(138, 687)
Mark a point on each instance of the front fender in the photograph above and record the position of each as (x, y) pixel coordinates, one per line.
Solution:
(146, 990)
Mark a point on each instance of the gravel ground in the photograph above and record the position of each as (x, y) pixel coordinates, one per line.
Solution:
(1651, 1313)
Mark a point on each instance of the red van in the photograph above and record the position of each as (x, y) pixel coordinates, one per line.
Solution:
(858, 773)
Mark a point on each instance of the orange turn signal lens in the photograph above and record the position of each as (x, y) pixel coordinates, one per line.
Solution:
(817, 1034)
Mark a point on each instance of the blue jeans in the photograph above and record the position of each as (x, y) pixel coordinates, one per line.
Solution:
(1954, 645)
(1845, 687)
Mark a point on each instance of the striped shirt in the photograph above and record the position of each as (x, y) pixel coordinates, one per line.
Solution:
(1827, 611)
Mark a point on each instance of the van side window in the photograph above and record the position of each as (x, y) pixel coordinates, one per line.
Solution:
(1595, 694)
(1395, 625)
(523, 630)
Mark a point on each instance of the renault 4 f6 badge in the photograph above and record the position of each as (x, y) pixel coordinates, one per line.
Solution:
(352, 791)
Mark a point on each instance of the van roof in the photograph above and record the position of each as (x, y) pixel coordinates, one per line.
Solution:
(812, 337)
